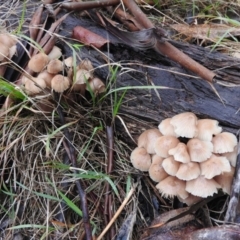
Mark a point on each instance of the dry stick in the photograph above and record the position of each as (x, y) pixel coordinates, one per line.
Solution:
(117, 213)
(82, 195)
(233, 206)
(76, 6)
(168, 49)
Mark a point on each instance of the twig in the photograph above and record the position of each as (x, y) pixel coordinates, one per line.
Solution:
(117, 213)
(168, 49)
(72, 156)
(76, 6)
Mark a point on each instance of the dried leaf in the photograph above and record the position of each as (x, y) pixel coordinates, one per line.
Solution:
(88, 38)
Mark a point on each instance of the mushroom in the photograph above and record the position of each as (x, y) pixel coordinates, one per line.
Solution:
(206, 128)
(224, 142)
(86, 64)
(164, 144)
(68, 62)
(148, 138)
(47, 77)
(171, 186)
(170, 166)
(185, 124)
(7, 40)
(180, 153)
(231, 156)
(188, 171)
(82, 76)
(202, 187)
(190, 200)
(166, 128)
(38, 62)
(96, 85)
(34, 86)
(60, 83)
(199, 151)
(140, 159)
(156, 171)
(55, 53)
(4, 52)
(55, 66)
(225, 180)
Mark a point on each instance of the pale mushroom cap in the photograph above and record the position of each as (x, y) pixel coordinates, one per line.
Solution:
(171, 186)
(82, 76)
(60, 83)
(225, 180)
(47, 77)
(86, 64)
(188, 171)
(166, 128)
(202, 187)
(206, 128)
(4, 52)
(55, 66)
(190, 200)
(97, 85)
(170, 166)
(12, 51)
(156, 171)
(199, 151)
(164, 144)
(34, 86)
(68, 62)
(231, 156)
(180, 153)
(214, 166)
(185, 124)
(55, 53)
(148, 138)
(140, 159)
(224, 142)
(38, 62)
(7, 40)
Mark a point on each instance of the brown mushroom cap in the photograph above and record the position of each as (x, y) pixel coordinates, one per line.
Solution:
(185, 124)
(166, 128)
(206, 128)
(170, 166)
(156, 171)
(82, 76)
(231, 156)
(148, 138)
(34, 86)
(96, 85)
(164, 144)
(214, 166)
(86, 64)
(225, 180)
(224, 142)
(202, 187)
(140, 159)
(47, 77)
(180, 153)
(188, 171)
(199, 151)
(55, 66)
(171, 186)
(38, 62)
(60, 83)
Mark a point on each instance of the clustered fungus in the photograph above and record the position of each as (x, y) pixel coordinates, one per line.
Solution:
(7, 46)
(52, 73)
(189, 158)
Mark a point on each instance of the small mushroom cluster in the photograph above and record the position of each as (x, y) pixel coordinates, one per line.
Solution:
(55, 74)
(7, 46)
(189, 158)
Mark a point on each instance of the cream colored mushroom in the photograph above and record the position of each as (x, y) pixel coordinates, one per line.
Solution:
(188, 171)
(199, 151)
(38, 62)
(55, 66)
(170, 166)
(7, 40)
(55, 53)
(224, 142)
(140, 159)
(185, 124)
(60, 83)
(148, 138)
(86, 64)
(231, 156)
(96, 85)
(34, 86)
(166, 128)
(47, 77)
(180, 153)
(82, 76)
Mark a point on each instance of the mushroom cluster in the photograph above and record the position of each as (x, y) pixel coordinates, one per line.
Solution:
(7, 46)
(189, 158)
(52, 73)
